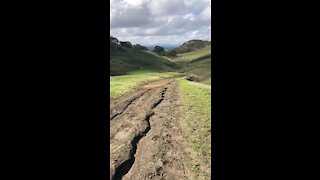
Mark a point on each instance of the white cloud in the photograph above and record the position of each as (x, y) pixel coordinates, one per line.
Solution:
(206, 15)
(136, 2)
(166, 7)
(160, 21)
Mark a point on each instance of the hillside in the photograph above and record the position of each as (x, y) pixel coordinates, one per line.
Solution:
(128, 58)
(192, 45)
(197, 62)
(196, 54)
(165, 46)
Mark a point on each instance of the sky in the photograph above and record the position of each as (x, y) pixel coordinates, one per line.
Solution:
(150, 22)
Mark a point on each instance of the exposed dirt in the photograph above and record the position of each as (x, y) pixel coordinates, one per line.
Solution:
(146, 139)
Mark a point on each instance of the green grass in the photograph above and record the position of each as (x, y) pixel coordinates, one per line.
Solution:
(197, 62)
(185, 57)
(201, 68)
(120, 85)
(196, 110)
(123, 61)
(134, 67)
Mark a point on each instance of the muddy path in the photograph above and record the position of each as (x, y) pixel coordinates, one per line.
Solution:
(146, 139)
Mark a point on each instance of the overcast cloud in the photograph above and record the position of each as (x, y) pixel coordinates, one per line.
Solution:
(160, 21)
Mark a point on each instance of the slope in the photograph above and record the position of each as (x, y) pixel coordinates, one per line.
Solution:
(196, 62)
(192, 45)
(124, 60)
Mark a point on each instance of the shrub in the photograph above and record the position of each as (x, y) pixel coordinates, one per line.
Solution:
(159, 50)
(171, 53)
(139, 47)
(193, 77)
(126, 44)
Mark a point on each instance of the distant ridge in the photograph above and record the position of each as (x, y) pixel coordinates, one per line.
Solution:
(165, 46)
(192, 45)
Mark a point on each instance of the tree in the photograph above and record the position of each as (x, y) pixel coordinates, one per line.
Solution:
(171, 53)
(139, 47)
(126, 44)
(159, 50)
(113, 40)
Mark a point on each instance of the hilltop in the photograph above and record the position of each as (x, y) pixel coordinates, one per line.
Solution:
(167, 47)
(192, 45)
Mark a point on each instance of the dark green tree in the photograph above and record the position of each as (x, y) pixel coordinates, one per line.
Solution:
(159, 50)
(113, 40)
(126, 44)
(171, 53)
(139, 47)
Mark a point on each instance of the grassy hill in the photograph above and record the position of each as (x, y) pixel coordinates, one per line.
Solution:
(130, 66)
(189, 56)
(202, 69)
(126, 57)
(192, 45)
(197, 62)
(124, 60)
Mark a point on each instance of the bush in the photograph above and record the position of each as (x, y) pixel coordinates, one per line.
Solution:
(114, 40)
(126, 44)
(159, 50)
(171, 53)
(139, 47)
(193, 77)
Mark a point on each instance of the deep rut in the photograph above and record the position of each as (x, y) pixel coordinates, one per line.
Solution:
(145, 130)
(125, 167)
(115, 111)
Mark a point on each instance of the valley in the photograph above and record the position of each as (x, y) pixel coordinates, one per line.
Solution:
(160, 123)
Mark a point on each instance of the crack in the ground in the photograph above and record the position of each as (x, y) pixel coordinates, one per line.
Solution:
(162, 97)
(130, 102)
(125, 167)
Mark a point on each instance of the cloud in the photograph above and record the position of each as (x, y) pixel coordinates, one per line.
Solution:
(206, 16)
(129, 16)
(160, 21)
(166, 7)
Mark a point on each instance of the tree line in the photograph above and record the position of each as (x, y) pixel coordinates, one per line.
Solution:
(115, 43)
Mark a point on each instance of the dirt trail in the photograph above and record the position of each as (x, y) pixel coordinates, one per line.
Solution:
(146, 140)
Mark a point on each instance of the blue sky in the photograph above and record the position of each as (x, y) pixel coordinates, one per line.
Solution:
(151, 22)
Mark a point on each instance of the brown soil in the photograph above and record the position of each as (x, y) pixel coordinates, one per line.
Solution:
(146, 139)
